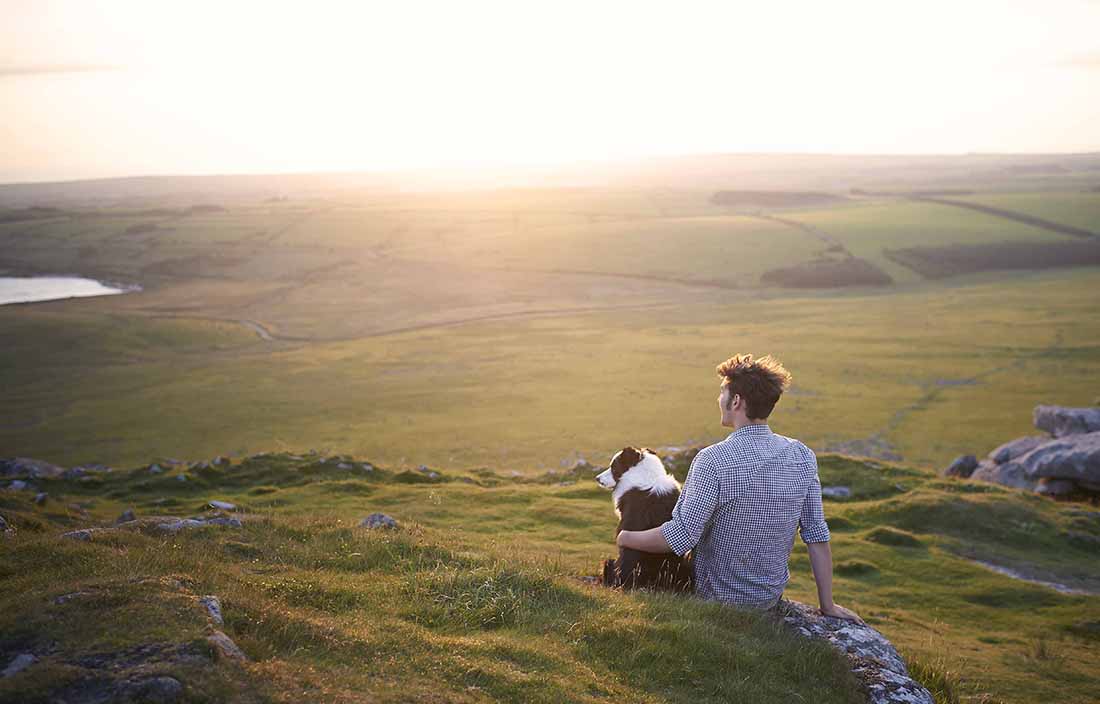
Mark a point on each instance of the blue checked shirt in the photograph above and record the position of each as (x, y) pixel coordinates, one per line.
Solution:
(739, 507)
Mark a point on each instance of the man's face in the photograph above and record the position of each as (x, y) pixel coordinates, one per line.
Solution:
(723, 406)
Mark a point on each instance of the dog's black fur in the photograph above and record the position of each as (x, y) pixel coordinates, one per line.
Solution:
(641, 510)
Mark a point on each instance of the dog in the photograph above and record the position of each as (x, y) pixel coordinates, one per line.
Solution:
(643, 494)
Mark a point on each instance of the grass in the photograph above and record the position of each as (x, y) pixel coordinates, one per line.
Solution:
(476, 596)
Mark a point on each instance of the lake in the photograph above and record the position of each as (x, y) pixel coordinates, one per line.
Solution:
(27, 289)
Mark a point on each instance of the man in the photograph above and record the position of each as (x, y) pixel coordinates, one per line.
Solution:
(743, 499)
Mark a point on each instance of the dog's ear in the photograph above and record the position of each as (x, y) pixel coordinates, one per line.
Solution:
(631, 455)
(649, 450)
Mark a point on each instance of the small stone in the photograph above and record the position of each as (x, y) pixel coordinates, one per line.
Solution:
(181, 477)
(343, 465)
(75, 473)
(224, 505)
(155, 469)
(423, 468)
(4, 527)
(224, 521)
(69, 597)
(17, 485)
(219, 461)
(40, 498)
(225, 647)
(836, 492)
(377, 520)
(367, 467)
(213, 607)
(18, 664)
(82, 534)
(155, 690)
(963, 467)
(125, 517)
(433, 475)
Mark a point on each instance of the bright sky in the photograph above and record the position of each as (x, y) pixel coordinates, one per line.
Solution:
(127, 87)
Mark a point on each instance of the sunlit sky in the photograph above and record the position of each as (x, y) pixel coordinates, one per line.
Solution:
(114, 88)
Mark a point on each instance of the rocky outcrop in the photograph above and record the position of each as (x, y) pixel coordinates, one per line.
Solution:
(1065, 464)
(29, 468)
(873, 658)
(1060, 421)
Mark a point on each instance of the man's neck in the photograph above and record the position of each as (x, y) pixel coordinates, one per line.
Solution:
(739, 423)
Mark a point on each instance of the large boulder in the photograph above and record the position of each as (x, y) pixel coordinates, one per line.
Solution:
(1061, 421)
(1070, 457)
(1015, 448)
(874, 659)
(1008, 474)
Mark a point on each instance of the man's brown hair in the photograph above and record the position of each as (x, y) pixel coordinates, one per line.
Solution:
(760, 382)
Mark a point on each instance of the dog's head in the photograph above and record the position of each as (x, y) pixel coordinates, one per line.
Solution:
(623, 461)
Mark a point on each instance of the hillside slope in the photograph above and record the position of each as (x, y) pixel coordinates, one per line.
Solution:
(479, 594)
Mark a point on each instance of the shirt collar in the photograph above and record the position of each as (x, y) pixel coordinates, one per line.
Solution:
(750, 429)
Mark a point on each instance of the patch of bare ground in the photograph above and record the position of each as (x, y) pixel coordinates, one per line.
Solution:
(954, 260)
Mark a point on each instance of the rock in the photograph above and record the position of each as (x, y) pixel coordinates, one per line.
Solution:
(1008, 474)
(224, 505)
(154, 690)
(125, 517)
(873, 658)
(17, 485)
(18, 664)
(28, 467)
(433, 475)
(377, 520)
(181, 477)
(1015, 448)
(225, 647)
(178, 524)
(214, 608)
(219, 461)
(367, 467)
(1061, 421)
(836, 492)
(1055, 487)
(155, 469)
(1069, 457)
(343, 465)
(40, 498)
(65, 598)
(82, 534)
(75, 473)
(963, 467)
(4, 527)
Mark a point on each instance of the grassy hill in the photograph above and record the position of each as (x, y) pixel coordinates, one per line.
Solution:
(478, 595)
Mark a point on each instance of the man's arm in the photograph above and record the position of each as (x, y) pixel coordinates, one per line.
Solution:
(815, 533)
(690, 517)
(821, 562)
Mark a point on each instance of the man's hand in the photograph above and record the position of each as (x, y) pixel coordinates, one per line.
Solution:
(836, 611)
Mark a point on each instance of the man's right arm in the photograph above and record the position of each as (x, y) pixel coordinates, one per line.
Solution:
(815, 533)
(694, 509)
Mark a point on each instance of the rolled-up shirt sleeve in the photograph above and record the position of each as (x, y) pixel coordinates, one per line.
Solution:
(811, 524)
(694, 509)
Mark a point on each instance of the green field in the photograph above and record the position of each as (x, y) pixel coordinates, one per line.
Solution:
(507, 333)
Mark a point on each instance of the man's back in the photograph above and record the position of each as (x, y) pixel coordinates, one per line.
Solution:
(742, 501)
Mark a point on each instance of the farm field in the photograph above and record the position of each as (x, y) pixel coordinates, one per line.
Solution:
(524, 329)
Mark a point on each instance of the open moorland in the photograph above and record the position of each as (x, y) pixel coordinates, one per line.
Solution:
(499, 335)
(479, 595)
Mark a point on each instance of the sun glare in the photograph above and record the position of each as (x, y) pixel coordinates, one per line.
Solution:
(246, 86)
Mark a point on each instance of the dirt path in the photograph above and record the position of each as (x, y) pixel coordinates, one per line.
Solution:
(829, 241)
